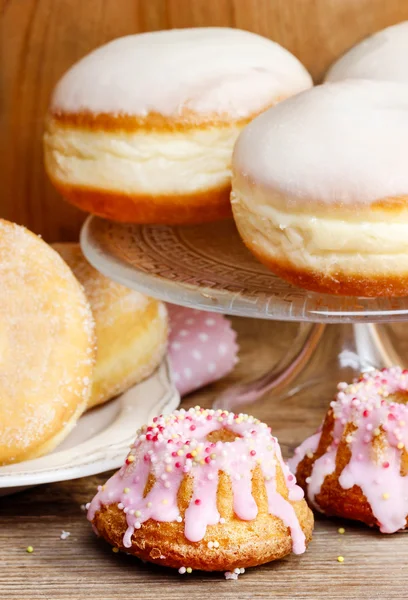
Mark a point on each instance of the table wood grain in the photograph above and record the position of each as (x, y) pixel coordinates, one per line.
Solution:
(42, 38)
(83, 567)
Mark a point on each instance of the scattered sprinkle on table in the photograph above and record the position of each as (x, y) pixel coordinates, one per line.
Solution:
(64, 534)
(114, 549)
(234, 574)
(341, 530)
(29, 549)
(340, 559)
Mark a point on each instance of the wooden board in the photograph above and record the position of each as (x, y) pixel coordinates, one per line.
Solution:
(42, 38)
(84, 568)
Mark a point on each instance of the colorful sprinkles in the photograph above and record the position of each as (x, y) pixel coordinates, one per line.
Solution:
(185, 443)
(370, 416)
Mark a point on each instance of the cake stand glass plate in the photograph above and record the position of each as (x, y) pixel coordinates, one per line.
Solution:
(208, 267)
(101, 439)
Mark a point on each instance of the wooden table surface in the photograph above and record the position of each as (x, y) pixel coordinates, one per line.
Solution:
(84, 568)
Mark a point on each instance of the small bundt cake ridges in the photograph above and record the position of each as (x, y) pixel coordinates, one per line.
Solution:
(180, 470)
(356, 465)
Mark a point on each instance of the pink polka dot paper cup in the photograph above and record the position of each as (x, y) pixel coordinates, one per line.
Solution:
(202, 347)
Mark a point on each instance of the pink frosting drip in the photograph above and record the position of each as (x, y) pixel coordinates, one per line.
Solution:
(368, 405)
(177, 444)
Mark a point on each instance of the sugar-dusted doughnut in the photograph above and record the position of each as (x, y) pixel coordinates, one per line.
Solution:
(142, 129)
(131, 329)
(356, 466)
(46, 346)
(204, 489)
(382, 56)
(320, 188)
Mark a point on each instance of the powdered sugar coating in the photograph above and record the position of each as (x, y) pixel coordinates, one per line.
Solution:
(106, 297)
(174, 446)
(130, 327)
(371, 416)
(211, 70)
(382, 56)
(46, 346)
(340, 143)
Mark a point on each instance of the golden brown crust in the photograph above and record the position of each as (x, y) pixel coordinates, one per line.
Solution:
(182, 209)
(131, 329)
(241, 543)
(185, 120)
(356, 211)
(336, 282)
(394, 204)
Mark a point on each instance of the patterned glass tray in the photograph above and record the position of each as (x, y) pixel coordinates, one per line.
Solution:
(208, 267)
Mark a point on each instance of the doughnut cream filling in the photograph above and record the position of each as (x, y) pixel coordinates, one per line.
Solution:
(323, 238)
(371, 417)
(178, 446)
(141, 162)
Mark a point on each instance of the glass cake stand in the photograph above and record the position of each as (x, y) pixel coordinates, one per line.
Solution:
(208, 267)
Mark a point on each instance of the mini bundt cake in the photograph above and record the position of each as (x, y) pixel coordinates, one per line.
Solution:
(204, 489)
(356, 465)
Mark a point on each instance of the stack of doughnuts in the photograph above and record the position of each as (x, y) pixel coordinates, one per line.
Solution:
(142, 129)
(73, 339)
(70, 339)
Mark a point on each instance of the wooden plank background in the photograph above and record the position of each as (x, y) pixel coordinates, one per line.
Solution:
(42, 38)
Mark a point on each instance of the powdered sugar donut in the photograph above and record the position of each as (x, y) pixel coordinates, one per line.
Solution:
(47, 346)
(206, 490)
(320, 188)
(142, 129)
(356, 466)
(382, 56)
(130, 327)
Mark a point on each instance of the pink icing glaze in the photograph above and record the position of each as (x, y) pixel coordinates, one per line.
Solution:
(174, 445)
(309, 446)
(202, 347)
(367, 403)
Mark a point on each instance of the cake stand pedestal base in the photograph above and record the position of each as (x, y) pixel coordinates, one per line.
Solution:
(343, 350)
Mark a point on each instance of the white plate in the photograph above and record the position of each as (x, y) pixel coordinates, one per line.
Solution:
(101, 438)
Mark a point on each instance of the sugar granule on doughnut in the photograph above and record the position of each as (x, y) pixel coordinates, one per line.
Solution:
(47, 346)
(130, 327)
(142, 129)
(320, 188)
(382, 56)
(206, 490)
(356, 465)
